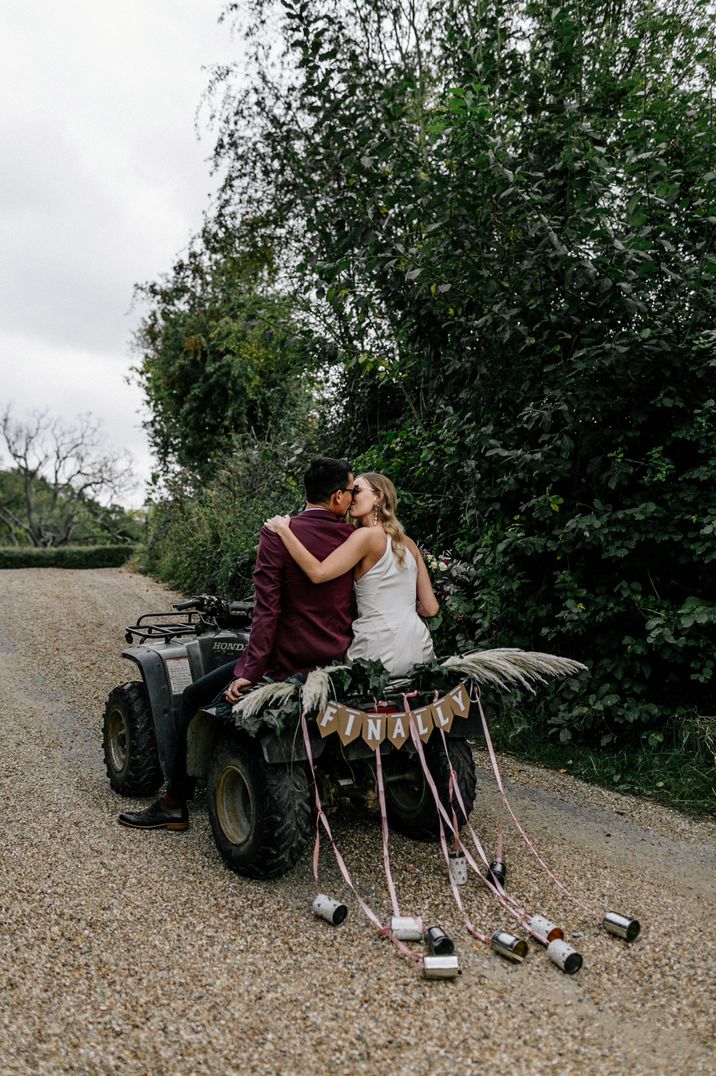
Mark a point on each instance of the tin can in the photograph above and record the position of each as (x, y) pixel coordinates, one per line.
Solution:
(440, 967)
(331, 910)
(622, 926)
(406, 928)
(564, 956)
(458, 868)
(509, 946)
(439, 942)
(544, 930)
(497, 871)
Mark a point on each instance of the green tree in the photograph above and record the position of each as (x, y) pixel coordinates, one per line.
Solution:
(220, 361)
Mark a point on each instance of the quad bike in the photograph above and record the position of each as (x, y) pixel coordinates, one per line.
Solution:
(260, 797)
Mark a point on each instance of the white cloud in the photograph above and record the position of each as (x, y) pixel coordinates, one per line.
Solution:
(102, 182)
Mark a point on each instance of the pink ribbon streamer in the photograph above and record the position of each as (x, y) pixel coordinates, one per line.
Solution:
(518, 908)
(384, 830)
(367, 911)
(443, 816)
(518, 824)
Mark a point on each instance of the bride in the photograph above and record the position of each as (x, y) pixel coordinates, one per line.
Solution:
(391, 582)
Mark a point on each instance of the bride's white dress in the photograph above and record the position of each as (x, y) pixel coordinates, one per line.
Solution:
(388, 628)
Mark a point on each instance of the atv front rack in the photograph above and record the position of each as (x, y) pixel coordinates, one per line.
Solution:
(147, 627)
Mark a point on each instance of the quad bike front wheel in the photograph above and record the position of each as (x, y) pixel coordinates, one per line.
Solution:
(130, 745)
(409, 801)
(260, 813)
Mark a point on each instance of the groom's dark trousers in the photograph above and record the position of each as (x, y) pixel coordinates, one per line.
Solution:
(297, 625)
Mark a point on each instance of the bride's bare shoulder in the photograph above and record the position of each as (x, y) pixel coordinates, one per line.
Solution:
(369, 538)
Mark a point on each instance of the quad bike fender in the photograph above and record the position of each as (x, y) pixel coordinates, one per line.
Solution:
(161, 704)
(279, 750)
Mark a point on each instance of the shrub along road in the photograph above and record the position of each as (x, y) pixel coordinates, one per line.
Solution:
(137, 952)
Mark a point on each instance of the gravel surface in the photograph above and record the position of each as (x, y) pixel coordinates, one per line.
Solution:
(130, 952)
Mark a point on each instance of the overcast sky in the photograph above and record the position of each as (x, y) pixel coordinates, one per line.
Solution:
(102, 182)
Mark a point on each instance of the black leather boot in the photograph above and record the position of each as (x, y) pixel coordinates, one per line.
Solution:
(157, 816)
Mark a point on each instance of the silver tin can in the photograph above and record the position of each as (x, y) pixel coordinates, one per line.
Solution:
(509, 946)
(439, 942)
(458, 868)
(545, 930)
(331, 910)
(622, 926)
(406, 928)
(440, 967)
(564, 956)
(497, 871)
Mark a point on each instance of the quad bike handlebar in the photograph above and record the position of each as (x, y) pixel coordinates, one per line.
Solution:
(203, 612)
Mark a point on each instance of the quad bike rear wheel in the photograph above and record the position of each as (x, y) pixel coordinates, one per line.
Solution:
(130, 745)
(409, 800)
(260, 813)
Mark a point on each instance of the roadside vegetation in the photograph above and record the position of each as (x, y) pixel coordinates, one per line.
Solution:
(470, 245)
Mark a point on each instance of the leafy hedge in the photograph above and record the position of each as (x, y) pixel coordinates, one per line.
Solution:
(68, 556)
(204, 537)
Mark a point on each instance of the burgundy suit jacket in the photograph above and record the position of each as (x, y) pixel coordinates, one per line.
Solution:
(298, 625)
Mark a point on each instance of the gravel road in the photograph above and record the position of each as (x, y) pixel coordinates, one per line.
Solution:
(139, 953)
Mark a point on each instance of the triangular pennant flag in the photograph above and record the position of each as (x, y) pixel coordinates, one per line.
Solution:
(350, 724)
(424, 722)
(397, 729)
(460, 701)
(328, 721)
(374, 729)
(443, 714)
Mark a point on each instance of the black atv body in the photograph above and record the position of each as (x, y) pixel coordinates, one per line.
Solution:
(260, 798)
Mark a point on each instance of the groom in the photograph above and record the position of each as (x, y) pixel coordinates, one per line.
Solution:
(297, 625)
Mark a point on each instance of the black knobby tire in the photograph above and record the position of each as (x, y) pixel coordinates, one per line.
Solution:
(260, 813)
(130, 745)
(409, 801)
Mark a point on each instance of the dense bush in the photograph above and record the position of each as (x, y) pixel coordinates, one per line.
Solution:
(67, 556)
(204, 538)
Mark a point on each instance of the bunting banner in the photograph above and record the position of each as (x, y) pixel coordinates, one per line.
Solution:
(375, 727)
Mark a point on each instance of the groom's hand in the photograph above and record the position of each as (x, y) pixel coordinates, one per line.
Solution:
(236, 689)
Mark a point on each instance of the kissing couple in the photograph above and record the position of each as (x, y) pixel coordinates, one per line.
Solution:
(307, 569)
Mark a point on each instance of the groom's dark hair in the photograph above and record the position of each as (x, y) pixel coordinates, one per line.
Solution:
(323, 477)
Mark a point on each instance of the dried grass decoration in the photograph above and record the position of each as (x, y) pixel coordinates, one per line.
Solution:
(502, 668)
(509, 665)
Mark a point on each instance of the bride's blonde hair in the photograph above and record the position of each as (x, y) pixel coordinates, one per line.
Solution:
(386, 512)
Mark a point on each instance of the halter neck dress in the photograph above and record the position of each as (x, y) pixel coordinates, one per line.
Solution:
(388, 628)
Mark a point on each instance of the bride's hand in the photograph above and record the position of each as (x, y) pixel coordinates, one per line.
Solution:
(276, 523)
